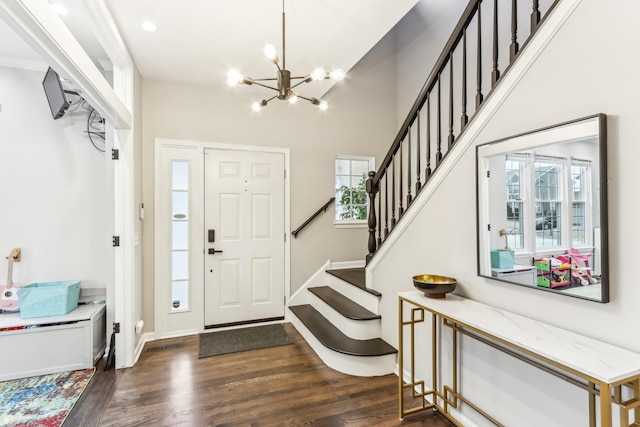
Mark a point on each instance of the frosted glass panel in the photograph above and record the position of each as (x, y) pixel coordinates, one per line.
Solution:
(180, 205)
(179, 265)
(180, 235)
(180, 175)
(180, 295)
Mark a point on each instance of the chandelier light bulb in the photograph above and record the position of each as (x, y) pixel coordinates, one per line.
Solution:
(323, 105)
(338, 75)
(293, 98)
(257, 106)
(270, 52)
(318, 74)
(233, 78)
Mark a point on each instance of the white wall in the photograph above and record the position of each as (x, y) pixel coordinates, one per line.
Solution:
(54, 193)
(420, 37)
(587, 68)
(360, 121)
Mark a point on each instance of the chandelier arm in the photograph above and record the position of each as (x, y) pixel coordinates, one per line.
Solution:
(299, 83)
(264, 80)
(268, 87)
(305, 98)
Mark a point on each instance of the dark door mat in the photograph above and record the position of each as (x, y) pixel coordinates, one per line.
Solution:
(235, 340)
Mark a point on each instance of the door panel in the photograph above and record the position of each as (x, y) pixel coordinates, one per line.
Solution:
(244, 203)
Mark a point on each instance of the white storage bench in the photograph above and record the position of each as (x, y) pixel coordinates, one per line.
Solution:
(46, 345)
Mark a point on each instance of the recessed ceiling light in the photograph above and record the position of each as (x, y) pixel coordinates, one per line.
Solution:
(149, 26)
(59, 9)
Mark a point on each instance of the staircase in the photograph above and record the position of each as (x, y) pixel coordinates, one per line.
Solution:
(344, 334)
(448, 112)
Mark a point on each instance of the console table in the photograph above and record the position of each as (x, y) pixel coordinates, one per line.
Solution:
(45, 345)
(599, 368)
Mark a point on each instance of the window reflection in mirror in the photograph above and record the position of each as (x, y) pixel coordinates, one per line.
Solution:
(542, 209)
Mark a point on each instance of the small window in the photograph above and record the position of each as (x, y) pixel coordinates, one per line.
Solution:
(515, 177)
(548, 177)
(350, 189)
(580, 177)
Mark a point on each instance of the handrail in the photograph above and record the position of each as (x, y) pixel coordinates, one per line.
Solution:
(430, 130)
(312, 217)
(442, 61)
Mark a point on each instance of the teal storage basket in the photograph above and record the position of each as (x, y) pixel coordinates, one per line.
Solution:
(502, 258)
(48, 298)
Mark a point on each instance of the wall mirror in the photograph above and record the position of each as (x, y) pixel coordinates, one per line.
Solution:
(542, 209)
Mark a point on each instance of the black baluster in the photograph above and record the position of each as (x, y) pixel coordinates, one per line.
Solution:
(479, 96)
(535, 17)
(427, 171)
(438, 129)
(464, 119)
(409, 198)
(393, 193)
(418, 184)
(386, 203)
(451, 138)
(495, 74)
(379, 215)
(371, 190)
(400, 189)
(514, 48)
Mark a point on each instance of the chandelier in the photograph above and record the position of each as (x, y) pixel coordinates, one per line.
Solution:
(285, 83)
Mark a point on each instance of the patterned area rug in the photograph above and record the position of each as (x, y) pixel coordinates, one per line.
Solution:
(235, 340)
(43, 401)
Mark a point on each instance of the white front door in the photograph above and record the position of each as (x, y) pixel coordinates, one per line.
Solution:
(244, 236)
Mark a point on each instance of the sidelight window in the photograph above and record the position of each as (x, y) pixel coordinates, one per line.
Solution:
(179, 236)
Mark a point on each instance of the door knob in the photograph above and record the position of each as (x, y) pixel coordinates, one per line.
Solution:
(212, 251)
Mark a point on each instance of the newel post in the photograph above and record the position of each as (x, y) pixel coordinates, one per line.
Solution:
(372, 189)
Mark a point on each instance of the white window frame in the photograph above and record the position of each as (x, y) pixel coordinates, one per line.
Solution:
(350, 223)
(565, 198)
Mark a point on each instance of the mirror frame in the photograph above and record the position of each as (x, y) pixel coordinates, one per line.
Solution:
(484, 244)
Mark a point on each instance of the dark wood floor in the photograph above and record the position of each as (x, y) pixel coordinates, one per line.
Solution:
(280, 386)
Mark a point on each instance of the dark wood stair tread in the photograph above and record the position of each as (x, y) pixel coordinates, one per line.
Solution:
(342, 304)
(354, 276)
(331, 337)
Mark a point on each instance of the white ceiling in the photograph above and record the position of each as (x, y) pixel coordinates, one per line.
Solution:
(197, 41)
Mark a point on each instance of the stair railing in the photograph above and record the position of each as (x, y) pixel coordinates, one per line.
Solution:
(428, 133)
(312, 217)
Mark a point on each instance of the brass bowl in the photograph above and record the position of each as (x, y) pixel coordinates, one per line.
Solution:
(434, 286)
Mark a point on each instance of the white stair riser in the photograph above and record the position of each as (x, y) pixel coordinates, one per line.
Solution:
(351, 365)
(363, 298)
(358, 329)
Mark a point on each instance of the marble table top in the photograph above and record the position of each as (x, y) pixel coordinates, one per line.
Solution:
(601, 361)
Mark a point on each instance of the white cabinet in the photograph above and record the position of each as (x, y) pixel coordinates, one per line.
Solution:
(46, 345)
(523, 274)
